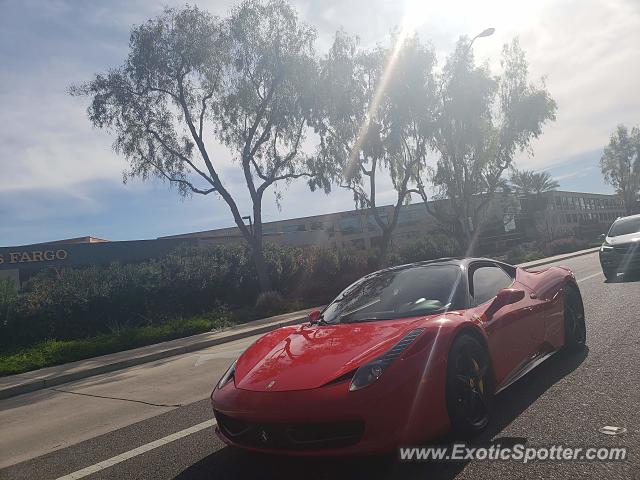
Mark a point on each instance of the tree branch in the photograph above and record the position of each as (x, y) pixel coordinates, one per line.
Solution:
(171, 179)
(179, 155)
(204, 108)
(217, 183)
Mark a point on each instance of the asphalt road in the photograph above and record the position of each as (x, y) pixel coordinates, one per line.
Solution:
(154, 421)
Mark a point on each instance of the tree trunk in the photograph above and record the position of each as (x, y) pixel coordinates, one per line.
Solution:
(385, 244)
(257, 251)
(261, 267)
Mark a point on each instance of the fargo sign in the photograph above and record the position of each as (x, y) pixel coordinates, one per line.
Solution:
(33, 256)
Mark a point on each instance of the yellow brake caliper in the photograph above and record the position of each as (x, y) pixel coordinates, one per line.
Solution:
(480, 379)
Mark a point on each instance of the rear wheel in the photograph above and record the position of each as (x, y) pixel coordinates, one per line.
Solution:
(575, 331)
(469, 386)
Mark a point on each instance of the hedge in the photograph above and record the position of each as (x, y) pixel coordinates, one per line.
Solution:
(69, 304)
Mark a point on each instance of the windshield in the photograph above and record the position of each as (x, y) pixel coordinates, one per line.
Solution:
(625, 226)
(407, 292)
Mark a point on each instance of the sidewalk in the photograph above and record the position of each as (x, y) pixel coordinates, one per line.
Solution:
(47, 377)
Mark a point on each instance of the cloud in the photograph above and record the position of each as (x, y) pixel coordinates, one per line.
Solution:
(59, 174)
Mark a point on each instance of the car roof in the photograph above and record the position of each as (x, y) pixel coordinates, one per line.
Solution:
(637, 215)
(458, 261)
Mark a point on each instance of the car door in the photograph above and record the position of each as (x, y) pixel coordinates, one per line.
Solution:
(514, 330)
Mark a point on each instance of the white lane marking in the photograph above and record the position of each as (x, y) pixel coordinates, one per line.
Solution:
(590, 276)
(137, 451)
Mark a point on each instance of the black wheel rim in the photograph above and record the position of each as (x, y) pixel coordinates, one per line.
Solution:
(471, 388)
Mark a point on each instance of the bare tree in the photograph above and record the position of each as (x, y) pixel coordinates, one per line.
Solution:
(191, 80)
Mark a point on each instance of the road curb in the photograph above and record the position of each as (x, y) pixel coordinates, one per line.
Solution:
(558, 258)
(39, 384)
(261, 327)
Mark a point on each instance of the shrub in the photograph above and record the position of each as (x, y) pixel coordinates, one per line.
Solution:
(270, 303)
(564, 245)
(515, 255)
(69, 304)
(8, 301)
(428, 247)
(54, 352)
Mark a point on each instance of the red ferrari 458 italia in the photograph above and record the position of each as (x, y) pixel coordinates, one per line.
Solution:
(400, 357)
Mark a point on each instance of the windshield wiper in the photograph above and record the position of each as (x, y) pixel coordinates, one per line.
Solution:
(432, 311)
(320, 321)
(361, 320)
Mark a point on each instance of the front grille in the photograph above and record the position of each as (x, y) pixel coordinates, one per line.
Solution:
(291, 436)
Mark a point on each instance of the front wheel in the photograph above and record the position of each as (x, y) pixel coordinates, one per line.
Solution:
(575, 331)
(609, 274)
(469, 387)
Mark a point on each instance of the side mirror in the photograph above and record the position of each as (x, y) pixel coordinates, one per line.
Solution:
(314, 315)
(506, 296)
(602, 236)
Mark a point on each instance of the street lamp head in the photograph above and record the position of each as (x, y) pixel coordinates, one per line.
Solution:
(487, 32)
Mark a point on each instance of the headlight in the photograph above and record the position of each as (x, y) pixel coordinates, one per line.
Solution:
(228, 375)
(606, 248)
(370, 372)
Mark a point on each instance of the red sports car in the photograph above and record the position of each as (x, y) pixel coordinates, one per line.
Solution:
(401, 356)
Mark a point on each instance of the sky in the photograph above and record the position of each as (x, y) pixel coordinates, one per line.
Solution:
(60, 178)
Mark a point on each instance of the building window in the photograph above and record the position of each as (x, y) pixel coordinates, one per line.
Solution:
(351, 225)
(317, 225)
(297, 227)
(407, 218)
(372, 225)
(358, 243)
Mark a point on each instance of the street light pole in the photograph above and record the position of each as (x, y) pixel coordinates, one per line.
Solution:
(487, 32)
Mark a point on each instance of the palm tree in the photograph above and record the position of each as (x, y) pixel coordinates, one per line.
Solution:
(528, 182)
(543, 182)
(532, 185)
(522, 181)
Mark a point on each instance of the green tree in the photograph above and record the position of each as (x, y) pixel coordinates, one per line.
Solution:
(375, 117)
(528, 182)
(483, 121)
(192, 80)
(620, 165)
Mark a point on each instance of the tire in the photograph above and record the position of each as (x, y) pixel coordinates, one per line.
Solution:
(469, 388)
(575, 331)
(610, 274)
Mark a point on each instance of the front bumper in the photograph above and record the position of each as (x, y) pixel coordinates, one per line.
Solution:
(621, 258)
(331, 420)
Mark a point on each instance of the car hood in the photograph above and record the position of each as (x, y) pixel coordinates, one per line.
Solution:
(621, 239)
(303, 357)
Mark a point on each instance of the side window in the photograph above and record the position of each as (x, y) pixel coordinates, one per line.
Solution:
(486, 282)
